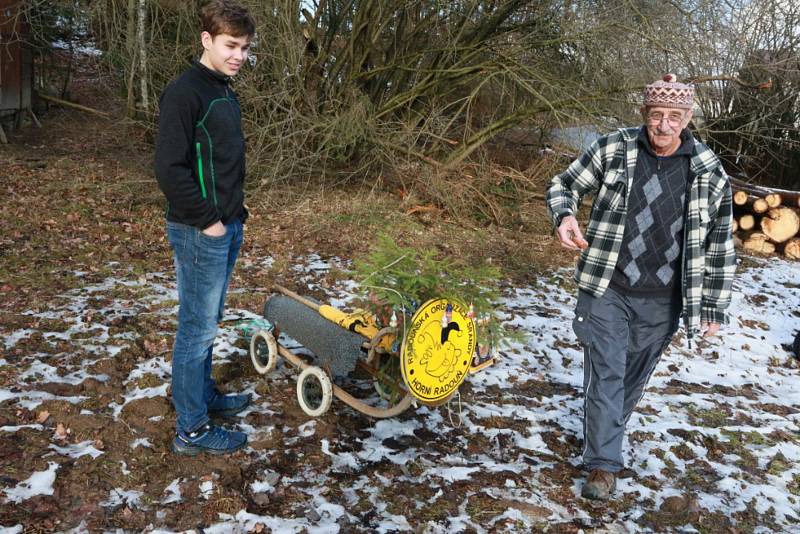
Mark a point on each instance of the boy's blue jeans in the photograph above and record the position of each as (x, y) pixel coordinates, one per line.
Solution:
(203, 266)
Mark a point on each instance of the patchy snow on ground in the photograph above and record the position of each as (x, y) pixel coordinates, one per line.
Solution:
(76, 450)
(39, 483)
(120, 496)
(717, 432)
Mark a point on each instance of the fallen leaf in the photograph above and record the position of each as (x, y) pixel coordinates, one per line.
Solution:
(42, 416)
(155, 348)
(61, 432)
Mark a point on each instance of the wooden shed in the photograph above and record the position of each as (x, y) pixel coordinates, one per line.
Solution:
(16, 67)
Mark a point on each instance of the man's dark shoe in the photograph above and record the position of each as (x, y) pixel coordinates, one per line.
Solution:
(228, 405)
(210, 439)
(599, 485)
(625, 472)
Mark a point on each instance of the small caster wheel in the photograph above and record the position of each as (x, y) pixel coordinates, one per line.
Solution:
(314, 391)
(263, 351)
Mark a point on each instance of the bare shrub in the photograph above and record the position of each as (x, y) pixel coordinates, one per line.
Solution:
(342, 90)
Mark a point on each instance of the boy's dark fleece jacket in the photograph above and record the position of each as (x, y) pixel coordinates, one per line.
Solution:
(199, 161)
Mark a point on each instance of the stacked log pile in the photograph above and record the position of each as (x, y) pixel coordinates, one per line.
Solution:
(766, 220)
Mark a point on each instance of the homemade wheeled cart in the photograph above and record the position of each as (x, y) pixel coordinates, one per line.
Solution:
(424, 359)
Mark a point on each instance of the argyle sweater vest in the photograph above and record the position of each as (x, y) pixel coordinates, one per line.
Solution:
(649, 262)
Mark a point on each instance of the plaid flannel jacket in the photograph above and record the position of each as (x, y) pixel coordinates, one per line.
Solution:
(606, 170)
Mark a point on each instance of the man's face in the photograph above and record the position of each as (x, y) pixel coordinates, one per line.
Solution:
(664, 126)
(225, 53)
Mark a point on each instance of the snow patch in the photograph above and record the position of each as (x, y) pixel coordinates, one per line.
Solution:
(39, 483)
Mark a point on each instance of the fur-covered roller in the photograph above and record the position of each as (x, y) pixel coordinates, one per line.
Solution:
(334, 348)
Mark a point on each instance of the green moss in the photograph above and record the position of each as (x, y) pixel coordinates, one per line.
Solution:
(747, 461)
(693, 478)
(53, 325)
(778, 464)
(682, 451)
(794, 485)
(149, 381)
(88, 334)
(711, 417)
(480, 505)
(757, 438)
(738, 443)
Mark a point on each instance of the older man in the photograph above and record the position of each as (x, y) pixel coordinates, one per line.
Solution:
(658, 244)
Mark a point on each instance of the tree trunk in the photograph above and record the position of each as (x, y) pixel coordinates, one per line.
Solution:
(69, 104)
(789, 198)
(141, 19)
(130, 48)
(780, 224)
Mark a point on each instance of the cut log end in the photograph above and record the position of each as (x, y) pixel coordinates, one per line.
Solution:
(747, 222)
(780, 224)
(773, 200)
(792, 249)
(760, 206)
(759, 246)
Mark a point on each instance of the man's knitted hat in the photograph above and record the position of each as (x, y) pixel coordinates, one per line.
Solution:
(668, 93)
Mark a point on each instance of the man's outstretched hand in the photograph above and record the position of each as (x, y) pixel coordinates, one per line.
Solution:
(569, 233)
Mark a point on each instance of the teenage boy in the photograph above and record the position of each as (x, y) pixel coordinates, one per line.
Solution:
(199, 164)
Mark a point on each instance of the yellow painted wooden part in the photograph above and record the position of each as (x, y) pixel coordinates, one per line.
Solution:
(359, 321)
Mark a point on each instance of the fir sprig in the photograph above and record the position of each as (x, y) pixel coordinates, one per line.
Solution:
(399, 279)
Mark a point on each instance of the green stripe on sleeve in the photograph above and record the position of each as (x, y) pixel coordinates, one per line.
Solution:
(200, 169)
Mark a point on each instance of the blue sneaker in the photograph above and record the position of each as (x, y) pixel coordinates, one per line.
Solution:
(208, 438)
(228, 405)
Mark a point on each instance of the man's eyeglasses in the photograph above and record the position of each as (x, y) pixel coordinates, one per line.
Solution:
(673, 118)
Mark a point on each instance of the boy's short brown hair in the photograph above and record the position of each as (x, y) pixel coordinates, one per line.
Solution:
(224, 16)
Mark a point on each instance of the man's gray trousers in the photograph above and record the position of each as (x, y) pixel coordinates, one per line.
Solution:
(623, 338)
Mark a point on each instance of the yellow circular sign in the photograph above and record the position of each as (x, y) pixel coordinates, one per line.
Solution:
(438, 350)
